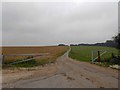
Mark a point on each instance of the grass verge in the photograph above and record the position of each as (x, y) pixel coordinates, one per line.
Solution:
(83, 53)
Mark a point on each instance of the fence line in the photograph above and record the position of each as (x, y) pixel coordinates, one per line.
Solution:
(24, 60)
(93, 59)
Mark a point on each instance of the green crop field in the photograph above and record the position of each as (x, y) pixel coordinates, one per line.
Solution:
(83, 53)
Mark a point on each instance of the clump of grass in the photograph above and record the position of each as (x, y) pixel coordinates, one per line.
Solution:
(43, 61)
(105, 64)
(30, 63)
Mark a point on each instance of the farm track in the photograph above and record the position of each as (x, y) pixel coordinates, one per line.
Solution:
(69, 73)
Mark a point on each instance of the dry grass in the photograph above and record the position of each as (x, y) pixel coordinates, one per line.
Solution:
(30, 49)
(53, 53)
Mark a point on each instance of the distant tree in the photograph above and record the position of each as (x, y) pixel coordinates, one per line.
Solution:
(117, 40)
(61, 45)
(73, 45)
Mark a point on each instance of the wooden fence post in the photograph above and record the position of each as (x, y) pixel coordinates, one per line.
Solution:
(98, 56)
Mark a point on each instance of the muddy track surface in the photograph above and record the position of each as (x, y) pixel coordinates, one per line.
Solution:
(70, 73)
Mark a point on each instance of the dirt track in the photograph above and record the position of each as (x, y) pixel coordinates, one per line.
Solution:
(65, 73)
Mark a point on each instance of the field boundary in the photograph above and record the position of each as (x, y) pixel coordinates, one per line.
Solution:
(34, 56)
(93, 59)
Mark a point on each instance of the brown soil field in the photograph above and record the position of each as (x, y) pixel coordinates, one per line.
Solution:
(32, 49)
(53, 52)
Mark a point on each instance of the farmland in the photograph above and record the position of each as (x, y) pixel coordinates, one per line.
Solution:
(83, 53)
(52, 53)
(65, 73)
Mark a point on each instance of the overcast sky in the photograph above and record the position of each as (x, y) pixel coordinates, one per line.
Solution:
(51, 23)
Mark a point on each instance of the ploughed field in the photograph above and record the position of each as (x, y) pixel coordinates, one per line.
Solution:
(48, 54)
(83, 53)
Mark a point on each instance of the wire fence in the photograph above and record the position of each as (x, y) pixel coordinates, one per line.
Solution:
(29, 57)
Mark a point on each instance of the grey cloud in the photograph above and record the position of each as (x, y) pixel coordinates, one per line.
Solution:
(52, 22)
